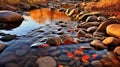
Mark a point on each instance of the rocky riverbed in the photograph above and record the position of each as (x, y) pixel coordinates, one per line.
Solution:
(84, 40)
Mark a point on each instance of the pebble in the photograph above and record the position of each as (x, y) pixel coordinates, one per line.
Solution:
(46, 61)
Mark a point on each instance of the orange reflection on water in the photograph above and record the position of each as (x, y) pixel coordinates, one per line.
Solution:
(44, 14)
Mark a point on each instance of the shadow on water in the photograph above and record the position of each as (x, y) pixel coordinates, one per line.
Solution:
(37, 18)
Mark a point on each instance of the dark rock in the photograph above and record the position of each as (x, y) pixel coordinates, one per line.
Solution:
(84, 16)
(8, 38)
(101, 18)
(92, 29)
(10, 17)
(91, 19)
(90, 24)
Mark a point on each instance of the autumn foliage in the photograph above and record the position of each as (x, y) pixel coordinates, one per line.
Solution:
(108, 7)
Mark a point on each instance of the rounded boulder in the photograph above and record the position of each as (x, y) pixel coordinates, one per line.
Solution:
(10, 17)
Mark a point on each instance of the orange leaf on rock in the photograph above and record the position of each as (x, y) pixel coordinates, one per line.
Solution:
(94, 56)
(70, 55)
(85, 58)
(78, 52)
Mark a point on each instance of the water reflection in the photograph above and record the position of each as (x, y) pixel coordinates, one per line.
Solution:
(46, 15)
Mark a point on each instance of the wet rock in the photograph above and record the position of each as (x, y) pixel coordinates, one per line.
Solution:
(117, 52)
(2, 47)
(63, 58)
(56, 52)
(46, 62)
(113, 58)
(96, 13)
(92, 29)
(97, 44)
(102, 27)
(61, 10)
(10, 17)
(86, 47)
(52, 48)
(69, 12)
(113, 30)
(80, 33)
(84, 16)
(83, 12)
(12, 65)
(20, 52)
(57, 41)
(8, 37)
(107, 62)
(111, 41)
(101, 18)
(96, 63)
(90, 24)
(91, 19)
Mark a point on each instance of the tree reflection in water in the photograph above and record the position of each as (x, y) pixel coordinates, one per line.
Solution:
(43, 15)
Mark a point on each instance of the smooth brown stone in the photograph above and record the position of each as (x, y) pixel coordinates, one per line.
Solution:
(113, 30)
(97, 63)
(92, 29)
(97, 44)
(113, 58)
(117, 51)
(102, 27)
(112, 41)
